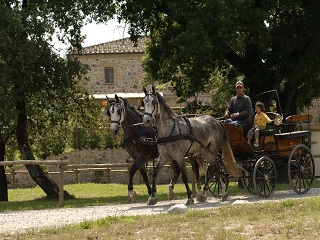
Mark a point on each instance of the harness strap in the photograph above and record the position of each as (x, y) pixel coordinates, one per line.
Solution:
(175, 138)
(191, 132)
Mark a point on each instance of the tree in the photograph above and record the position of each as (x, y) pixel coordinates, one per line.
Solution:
(39, 89)
(270, 44)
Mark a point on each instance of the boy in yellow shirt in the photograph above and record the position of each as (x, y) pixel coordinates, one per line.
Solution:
(260, 122)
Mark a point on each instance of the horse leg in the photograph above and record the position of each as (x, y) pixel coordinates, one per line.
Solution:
(131, 193)
(185, 181)
(176, 172)
(195, 170)
(224, 193)
(153, 199)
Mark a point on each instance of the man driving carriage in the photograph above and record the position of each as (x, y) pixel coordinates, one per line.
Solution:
(240, 111)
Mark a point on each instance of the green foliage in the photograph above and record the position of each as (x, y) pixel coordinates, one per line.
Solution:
(91, 139)
(37, 80)
(270, 44)
(95, 135)
(85, 225)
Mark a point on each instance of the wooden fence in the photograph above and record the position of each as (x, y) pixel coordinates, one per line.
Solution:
(64, 167)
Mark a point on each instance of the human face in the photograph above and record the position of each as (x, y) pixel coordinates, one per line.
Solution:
(258, 109)
(239, 90)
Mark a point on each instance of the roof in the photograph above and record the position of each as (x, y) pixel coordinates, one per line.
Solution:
(124, 45)
(123, 95)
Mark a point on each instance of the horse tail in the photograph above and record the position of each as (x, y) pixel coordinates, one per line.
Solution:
(228, 159)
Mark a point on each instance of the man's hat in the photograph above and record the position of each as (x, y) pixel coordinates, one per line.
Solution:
(239, 83)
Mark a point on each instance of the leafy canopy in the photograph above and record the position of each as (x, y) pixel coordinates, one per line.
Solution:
(270, 44)
(32, 72)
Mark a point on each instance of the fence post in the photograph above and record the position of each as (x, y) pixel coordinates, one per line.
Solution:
(61, 182)
(77, 175)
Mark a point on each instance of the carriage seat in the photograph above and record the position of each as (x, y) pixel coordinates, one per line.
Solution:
(296, 122)
(239, 145)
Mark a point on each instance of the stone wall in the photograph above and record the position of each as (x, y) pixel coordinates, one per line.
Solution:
(127, 72)
(88, 156)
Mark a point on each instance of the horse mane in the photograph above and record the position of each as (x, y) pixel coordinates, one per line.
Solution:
(132, 108)
(161, 101)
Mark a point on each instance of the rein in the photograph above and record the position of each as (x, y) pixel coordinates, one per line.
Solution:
(172, 138)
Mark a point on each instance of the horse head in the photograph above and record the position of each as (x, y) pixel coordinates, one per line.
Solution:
(116, 112)
(150, 104)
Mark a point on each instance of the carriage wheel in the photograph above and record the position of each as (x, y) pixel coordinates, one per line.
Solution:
(214, 182)
(247, 179)
(264, 177)
(215, 185)
(301, 169)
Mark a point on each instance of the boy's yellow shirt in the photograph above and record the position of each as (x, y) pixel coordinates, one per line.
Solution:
(261, 119)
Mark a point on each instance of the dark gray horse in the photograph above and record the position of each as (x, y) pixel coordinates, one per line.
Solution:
(121, 112)
(180, 137)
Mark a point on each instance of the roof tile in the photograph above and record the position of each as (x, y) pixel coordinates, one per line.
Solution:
(124, 45)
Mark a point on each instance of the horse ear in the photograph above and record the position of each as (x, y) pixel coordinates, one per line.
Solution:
(145, 90)
(116, 97)
(153, 88)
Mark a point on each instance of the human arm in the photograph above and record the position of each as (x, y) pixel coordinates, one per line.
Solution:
(228, 112)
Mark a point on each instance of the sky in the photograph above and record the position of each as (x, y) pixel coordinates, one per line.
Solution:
(96, 34)
(101, 33)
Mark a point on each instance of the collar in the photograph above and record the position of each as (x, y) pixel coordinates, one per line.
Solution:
(240, 96)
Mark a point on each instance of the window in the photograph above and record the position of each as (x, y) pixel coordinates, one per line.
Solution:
(108, 75)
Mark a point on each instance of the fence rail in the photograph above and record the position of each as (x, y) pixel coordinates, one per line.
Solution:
(64, 167)
(59, 163)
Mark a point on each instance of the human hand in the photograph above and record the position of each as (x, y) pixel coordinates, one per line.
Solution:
(235, 115)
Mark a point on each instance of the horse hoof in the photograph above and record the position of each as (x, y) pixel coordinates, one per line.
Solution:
(224, 196)
(132, 196)
(152, 200)
(190, 201)
(202, 198)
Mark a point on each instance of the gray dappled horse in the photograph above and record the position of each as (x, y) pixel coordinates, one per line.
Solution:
(122, 113)
(180, 137)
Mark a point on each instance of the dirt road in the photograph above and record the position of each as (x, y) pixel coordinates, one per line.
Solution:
(20, 221)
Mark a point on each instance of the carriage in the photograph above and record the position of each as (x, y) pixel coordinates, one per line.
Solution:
(284, 154)
(221, 146)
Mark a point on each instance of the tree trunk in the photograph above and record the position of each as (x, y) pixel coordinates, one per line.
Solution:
(36, 173)
(3, 179)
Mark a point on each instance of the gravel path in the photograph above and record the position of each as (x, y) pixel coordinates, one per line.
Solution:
(20, 221)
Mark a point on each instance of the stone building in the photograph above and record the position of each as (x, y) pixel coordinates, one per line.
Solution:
(115, 67)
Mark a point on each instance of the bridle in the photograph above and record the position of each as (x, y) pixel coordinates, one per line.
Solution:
(120, 110)
(154, 103)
